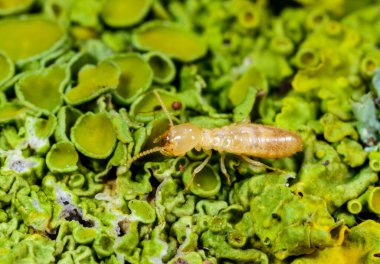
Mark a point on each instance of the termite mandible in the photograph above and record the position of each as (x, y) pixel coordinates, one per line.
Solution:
(244, 140)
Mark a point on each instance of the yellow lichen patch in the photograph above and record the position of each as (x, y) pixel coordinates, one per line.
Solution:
(8, 7)
(93, 135)
(123, 13)
(170, 39)
(93, 81)
(26, 38)
(362, 245)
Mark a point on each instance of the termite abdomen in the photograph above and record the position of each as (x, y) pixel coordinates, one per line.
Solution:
(252, 140)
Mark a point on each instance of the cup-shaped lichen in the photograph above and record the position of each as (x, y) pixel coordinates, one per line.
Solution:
(76, 180)
(7, 68)
(29, 38)
(124, 13)
(93, 135)
(248, 14)
(374, 160)
(62, 157)
(93, 81)
(374, 199)
(205, 183)
(163, 67)
(170, 39)
(306, 58)
(142, 211)
(370, 200)
(354, 206)
(104, 245)
(42, 90)
(83, 235)
(135, 78)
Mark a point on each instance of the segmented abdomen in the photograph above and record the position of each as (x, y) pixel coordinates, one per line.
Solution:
(252, 140)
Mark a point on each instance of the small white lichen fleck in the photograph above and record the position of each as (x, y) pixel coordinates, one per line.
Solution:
(16, 162)
(37, 205)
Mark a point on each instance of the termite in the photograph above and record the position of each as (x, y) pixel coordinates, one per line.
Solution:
(245, 140)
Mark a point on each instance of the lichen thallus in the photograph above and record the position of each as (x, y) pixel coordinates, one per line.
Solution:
(244, 140)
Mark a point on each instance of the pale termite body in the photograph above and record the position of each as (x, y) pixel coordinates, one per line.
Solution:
(245, 140)
(241, 139)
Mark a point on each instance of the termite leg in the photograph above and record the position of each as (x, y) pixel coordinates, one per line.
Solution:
(260, 164)
(198, 169)
(223, 168)
(163, 107)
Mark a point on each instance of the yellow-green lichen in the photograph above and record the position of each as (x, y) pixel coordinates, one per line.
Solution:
(135, 78)
(43, 90)
(93, 135)
(7, 68)
(62, 157)
(181, 43)
(79, 111)
(93, 81)
(14, 6)
(123, 13)
(28, 38)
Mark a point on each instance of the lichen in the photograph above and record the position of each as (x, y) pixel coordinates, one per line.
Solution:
(78, 104)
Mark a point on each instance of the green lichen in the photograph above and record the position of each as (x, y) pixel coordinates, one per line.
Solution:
(286, 223)
(118, 13)
(352, 151)
(135, 78)
(7, 68)
(206, 183)
(26, 40)
(101, 140)
(93, 81)
(324, 174)
(77, 105)
(62, 157)
(185, 45)
(335, 130)
(43, 90)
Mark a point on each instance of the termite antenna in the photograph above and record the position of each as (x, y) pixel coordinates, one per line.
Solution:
(163, 107)
(142, 154)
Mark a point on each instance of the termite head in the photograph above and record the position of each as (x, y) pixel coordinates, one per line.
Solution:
(180, 139)
(176, 141)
